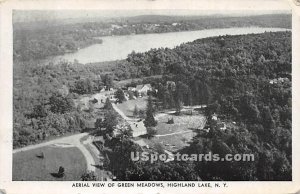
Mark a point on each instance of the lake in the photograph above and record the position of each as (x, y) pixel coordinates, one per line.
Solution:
(118, 47)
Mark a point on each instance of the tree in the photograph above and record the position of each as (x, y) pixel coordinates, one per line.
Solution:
(124, 131)
(61, 171)
(83, 86)
(267, 119)
(135, 111)
(110, 120)
(212, 108)
(119, 94)
(106, 161)
(130, 95)
(150, 120)
(108, 81)
(170, 121)
(151, 132)
(142, 114)
(39, 111)
(161, 94)
(60, 104)
(159, 148)
(108, 105)
(178, 106)
(99, 124)
(206, 95)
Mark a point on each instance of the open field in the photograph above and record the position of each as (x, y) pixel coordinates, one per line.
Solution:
(128, 81)
(172, 142)
(28, 166)
(178, 135)
(127, 107)
(181, 123)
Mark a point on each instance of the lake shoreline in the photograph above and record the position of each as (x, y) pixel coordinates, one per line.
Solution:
(117, 48)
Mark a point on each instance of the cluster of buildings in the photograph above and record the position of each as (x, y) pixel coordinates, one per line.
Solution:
(279, 80)
(217, 122)
(99, 99)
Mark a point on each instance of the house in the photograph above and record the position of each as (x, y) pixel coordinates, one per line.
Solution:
(279, 80)
(132, 89)
(101, 98)
(143, 89)
(221, 126)
(214, 117)
(103, 89)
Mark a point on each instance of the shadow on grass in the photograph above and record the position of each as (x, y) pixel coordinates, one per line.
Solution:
(146, 136)
(56, 175)
(98, 166)
(39, 156)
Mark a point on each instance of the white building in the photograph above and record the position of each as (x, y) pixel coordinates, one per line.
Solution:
(143, 89)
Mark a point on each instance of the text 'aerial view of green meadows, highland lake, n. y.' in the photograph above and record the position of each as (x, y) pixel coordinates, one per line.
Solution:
(166, 96)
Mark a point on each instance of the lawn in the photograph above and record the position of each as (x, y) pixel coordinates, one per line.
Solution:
(129, 81)
(172, 142)
(127, 107)
(185, 125)
(28, 166)
(181, 123)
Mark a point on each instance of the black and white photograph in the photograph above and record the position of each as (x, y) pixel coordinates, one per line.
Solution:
(151, 96)
(141, 95)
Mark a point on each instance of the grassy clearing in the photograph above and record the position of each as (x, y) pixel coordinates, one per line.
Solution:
(185, 125)
(181, 123)
(172, 142)
(128, 106)
(129, 81)
(28, 167)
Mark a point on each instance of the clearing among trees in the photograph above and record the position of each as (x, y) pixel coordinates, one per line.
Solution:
(29, 166)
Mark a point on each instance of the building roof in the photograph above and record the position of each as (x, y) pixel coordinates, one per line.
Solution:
(139, 87)
(148, 85)
(131, 88)
(99, 138)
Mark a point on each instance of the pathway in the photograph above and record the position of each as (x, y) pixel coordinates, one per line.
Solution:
(138, 127)
(175, 133)
(66, 142)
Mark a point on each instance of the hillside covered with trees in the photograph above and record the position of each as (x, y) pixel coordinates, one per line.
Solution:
(39, 40)
(244, 79)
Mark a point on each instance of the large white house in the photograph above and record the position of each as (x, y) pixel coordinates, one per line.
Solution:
(143, 89)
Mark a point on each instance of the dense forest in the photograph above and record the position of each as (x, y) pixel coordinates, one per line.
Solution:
(43, 103)
(244, 78)
(38, 40)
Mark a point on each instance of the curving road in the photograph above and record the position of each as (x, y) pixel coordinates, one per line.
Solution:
(73, 140)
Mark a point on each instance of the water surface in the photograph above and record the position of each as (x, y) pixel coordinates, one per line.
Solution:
(118, 47)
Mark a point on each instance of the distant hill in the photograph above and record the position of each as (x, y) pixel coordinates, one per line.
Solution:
(164, 18)
(153, 18)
